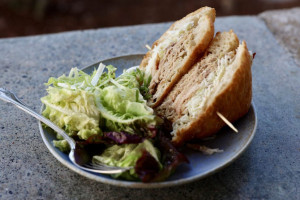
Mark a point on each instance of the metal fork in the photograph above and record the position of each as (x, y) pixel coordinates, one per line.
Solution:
(77, 154)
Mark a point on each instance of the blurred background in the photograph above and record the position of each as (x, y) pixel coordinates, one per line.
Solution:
(31, 17)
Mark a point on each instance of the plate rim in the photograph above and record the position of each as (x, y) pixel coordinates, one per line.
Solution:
(134, 184)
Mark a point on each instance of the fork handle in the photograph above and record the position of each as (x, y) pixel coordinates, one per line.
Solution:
(12, 98)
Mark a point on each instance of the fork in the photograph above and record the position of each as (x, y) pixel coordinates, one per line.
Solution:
(77, 155)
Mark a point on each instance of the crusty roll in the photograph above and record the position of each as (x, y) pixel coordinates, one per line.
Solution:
(219, 81)
(176, 51)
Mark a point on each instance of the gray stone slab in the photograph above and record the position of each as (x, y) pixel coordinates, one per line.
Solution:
(285, 25)
(269, 169)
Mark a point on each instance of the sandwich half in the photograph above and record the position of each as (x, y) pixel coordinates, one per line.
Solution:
(172, 55)
(219, 82)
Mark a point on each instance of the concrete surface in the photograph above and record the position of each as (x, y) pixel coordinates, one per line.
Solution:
(269, 169)
(285, 25)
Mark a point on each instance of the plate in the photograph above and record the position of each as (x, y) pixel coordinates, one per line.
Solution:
(200, 165)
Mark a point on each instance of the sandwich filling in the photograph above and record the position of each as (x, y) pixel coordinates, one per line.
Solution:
(172, 36)
(198, 102)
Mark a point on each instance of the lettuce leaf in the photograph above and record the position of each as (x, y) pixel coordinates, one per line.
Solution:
(126, 155)
(136, 79)
(146, 166)
(72, 110)
(62, 145)
(124, 109)
(123, 138)
(77, 79)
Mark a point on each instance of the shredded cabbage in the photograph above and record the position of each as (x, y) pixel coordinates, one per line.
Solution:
(123, 108)
(74, 111)
(83, 104)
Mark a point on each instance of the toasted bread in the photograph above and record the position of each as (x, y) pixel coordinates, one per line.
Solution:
(219, 81)
(176, 51)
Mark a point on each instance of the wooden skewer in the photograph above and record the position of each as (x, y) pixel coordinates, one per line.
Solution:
(227, 122)
(148, 47)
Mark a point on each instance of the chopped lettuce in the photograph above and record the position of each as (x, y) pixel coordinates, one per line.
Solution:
(123, 109)
(72, 110)
(126, 155)
(102, 109)
(120, 104)
(123, 138)
(81, 104)
(136, 79)
(62, 145)
(77, 79)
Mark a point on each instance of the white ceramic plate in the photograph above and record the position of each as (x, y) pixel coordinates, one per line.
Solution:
(200, 165)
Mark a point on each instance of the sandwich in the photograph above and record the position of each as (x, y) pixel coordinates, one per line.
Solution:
(218, 80)
(176, 51)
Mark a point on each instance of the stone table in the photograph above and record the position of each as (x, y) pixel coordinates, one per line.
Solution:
(269, 169)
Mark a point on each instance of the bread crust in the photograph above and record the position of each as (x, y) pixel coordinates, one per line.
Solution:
(211, 13)
(233, 101)
(159, 86)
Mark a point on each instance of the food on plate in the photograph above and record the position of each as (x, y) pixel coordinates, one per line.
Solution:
(109, 116)
(220, 81)
(78, 101)
(186, 78)
(176, 50)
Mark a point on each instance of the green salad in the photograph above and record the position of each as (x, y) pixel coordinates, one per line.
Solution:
(112, 110)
